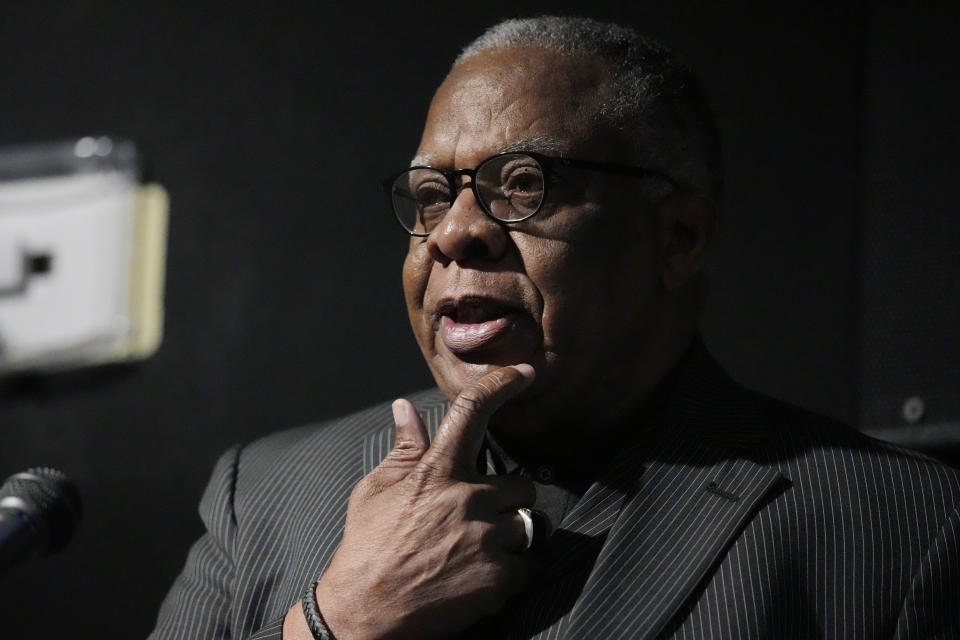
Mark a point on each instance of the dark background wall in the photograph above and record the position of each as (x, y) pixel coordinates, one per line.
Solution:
(271, 126)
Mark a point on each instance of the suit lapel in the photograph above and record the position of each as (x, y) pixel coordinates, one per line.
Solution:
(664, 542)
(682, 509)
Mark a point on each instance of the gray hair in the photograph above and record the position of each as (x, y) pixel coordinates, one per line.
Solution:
(655, 103)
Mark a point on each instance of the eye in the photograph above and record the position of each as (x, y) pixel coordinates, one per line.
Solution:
(432, 197)
(521, 174)
(431, 192)
(524, 180)
(521, 182)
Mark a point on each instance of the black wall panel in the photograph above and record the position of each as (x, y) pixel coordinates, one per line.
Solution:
(910, 342)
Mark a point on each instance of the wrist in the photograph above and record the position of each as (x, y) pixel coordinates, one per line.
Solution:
(312, 615)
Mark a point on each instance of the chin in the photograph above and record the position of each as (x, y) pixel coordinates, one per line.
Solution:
(455, 372)
(452, 378)
(520, 416)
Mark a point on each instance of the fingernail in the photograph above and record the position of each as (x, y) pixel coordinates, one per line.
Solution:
(526, 371)
(399, 411)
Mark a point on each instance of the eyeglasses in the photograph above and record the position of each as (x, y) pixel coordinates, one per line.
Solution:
(510, 187)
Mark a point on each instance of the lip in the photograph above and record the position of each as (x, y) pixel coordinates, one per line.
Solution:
(470, 324)
(463, 338)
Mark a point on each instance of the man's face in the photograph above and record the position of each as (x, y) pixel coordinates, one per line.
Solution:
(574, 291)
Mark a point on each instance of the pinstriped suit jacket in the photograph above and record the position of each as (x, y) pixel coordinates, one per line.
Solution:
(746, 519)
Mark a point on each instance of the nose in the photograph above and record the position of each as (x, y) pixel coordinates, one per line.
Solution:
(467, 233)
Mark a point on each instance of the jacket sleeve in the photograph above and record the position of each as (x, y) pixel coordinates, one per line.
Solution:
(930, 608)
(199, 606)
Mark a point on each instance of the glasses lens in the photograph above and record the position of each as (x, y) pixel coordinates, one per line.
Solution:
(511, 186)
(420, 198)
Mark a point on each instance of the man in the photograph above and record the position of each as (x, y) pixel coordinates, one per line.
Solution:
(560, 205)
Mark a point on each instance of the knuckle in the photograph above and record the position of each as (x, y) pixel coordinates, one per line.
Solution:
(404, 451)
(468, 403)
(486, 386)
(478, 495)
(423, 474)
(439, 450)
(476, 398)
(461, 500)
(497, 379)
(469, 496)
(482, 489)
(489, 540)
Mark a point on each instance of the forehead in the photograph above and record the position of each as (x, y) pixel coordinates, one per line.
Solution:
(513, 99)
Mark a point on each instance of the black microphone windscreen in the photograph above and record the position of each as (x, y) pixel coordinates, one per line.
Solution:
(49, 499)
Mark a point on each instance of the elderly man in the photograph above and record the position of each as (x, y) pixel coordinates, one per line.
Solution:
(559, 207)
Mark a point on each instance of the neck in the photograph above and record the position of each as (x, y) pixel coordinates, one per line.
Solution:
(583, 443)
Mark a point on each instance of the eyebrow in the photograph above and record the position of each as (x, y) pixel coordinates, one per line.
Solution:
(535, 144)
(539, 144)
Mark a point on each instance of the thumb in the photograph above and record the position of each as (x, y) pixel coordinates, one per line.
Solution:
(409, 444)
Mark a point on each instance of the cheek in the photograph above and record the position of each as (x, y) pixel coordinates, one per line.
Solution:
(416, 275)
(592, 286)
(557, 272)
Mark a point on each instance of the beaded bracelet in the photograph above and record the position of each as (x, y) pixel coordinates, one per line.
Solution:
(311, 611)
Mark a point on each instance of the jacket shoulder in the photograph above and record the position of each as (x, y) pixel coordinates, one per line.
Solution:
(324, 445)
(826, 458)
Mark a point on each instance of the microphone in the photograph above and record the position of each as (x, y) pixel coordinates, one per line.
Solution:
(39, 509)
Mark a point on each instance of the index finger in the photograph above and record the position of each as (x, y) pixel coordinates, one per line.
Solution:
(460, 435)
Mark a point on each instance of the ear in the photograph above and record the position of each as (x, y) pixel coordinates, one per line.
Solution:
(687, 225)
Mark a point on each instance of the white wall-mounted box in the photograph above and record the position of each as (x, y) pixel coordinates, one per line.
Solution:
(82, 246)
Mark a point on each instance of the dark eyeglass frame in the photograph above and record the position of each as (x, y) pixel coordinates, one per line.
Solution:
(547, 164)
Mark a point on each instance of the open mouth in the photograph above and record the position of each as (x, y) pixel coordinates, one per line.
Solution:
(472, 310)
(472, 323)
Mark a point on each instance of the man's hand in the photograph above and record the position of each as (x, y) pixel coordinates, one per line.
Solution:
(430, 545)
